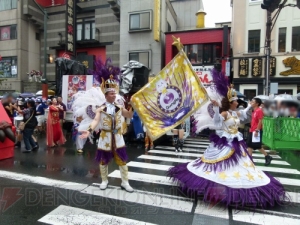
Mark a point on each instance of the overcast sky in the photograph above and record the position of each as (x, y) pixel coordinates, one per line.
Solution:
(217, 11)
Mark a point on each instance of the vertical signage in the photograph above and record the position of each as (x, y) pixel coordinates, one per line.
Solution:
(256, 67)
(272, 66)
(227, 69)
(244, 67)
(70, 27)
(156, 27)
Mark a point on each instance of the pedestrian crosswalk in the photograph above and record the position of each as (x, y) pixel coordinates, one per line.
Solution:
(147, 174)
(150, 169)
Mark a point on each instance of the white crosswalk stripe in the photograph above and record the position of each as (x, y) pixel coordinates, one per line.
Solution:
(169, 159)
(66, 215)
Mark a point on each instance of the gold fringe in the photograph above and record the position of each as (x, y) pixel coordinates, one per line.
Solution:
(218, 160)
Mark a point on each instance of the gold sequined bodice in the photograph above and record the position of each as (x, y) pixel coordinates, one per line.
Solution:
(231, 124)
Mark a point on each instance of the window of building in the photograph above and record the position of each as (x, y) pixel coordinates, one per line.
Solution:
(140, 56)
(8, 4)
(86, 29)
(169, 27)
(296, 39)
(285, 91)
(250, 93)
(282, 40)
(203, 54)
(8, 32)
(37, 36)
(254, 41)
(8, 67)
(140, 21)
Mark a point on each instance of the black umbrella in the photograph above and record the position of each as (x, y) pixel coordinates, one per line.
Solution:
(27, 95)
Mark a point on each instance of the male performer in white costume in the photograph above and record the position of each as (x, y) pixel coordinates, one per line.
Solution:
(111, 143)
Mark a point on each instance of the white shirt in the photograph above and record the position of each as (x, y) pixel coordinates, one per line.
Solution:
(111, 108)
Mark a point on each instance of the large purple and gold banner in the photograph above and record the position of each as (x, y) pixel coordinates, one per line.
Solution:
(171, 97)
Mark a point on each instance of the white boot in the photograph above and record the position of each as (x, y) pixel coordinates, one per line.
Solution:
(124, 175)
(104, 175)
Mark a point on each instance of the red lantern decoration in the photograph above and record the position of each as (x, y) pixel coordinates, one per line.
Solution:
(49, 3)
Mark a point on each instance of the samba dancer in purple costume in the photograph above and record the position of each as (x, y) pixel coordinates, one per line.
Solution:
(226, 173)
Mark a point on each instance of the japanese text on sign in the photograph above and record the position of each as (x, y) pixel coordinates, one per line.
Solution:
(272, 66)
(70, 27)
(243, 67)
(256, 67)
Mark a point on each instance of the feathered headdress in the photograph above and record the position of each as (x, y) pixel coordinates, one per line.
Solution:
(222, 86)
(103, 71)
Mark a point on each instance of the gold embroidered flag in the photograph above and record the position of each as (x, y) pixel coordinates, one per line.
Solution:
(171, 97)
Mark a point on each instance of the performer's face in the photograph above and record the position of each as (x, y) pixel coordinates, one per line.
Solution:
(234, 104)
(110, 96)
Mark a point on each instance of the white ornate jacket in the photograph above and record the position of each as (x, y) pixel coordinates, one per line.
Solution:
(112, 129)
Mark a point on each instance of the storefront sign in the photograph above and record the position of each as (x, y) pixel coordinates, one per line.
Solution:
(227, 69)
(273, 66)
(256, 67)
(243, 67)
(204, 73)
(70, 27)
(87, 61)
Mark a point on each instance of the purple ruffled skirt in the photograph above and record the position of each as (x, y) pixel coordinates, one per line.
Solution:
(106, 156)
(224, 182)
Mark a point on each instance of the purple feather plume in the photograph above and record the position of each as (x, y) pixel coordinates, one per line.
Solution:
(220, 81)
(104, 70)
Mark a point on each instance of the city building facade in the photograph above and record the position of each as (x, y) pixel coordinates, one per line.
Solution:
(143, 27)
(248, 41)
(19, 44)
(95, 28)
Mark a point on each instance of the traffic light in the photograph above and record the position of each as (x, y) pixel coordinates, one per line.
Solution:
(266, 4)
(270, 5)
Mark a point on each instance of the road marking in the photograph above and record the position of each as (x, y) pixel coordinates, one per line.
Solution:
(266, 217)
(199, 155)
(166, 168)
(42, 180)
(143, 197)
(202, 150)
(67, 215)
(195, 146)
(149, 166)
(178, 160)
(142, 177)
(166, 159)
(288, 181)
(184, 149)
(174, 153)
(156, 179)
(206, 209)
(196, 142)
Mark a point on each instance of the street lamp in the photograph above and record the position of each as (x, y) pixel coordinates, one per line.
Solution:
(44, 80)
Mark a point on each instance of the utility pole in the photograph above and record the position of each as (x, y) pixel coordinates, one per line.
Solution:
(44, 80)
(268, 52)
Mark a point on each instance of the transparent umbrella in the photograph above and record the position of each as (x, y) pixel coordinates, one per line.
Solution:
(16, 94)
(263, 97)
(284, 97)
